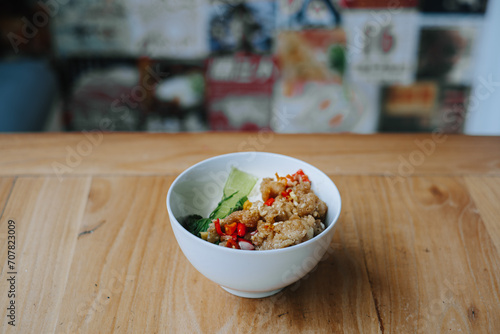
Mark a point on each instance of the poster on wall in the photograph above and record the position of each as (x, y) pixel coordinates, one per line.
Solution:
(312, 94)
(448, 47)
(312, 55)
(92, 27)
(382, 45)
(424, 106)
(408, 108)
(169, 28)
(241, 25)
(96, 100)
(325, 108)
(306, 14)
(239, 92)
(450, 114)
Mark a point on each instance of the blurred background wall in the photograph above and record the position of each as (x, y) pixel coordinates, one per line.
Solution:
(484, 118)
(289, 66)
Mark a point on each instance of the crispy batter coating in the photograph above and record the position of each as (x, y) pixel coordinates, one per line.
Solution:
(248, 217)
(270, 188)
(290, 219)
(285, 233)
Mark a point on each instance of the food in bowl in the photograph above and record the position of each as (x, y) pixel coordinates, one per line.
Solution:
(251, 274)
(287, 213)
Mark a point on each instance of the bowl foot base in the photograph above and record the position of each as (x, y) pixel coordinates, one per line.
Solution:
(246, 294)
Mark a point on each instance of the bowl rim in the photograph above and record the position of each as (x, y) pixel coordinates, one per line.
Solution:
(266, 251)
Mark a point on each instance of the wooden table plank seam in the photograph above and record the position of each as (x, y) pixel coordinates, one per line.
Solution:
(486, 200)
(47, 215)
(387, 182)
(374, 298)
(80, 216)
(8, 196)
(471, 270)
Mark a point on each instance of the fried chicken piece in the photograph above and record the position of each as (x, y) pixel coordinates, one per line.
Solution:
(270, 188)
(284, 234)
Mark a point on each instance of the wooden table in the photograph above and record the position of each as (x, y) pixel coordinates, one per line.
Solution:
(416, 249)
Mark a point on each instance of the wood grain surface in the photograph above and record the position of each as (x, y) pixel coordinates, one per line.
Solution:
(170, 154)
(416, 248)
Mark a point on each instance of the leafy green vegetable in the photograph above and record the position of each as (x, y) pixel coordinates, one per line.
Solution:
(222, 208)
(196, 224)
(238, 186)
(239, 181)
(239, 204)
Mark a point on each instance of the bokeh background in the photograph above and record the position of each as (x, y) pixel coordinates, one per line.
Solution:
(289, 66)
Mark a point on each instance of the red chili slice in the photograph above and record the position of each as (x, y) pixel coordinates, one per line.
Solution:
(242, 230)
(217, 227)
(286, 193)
(300, 173)
(269, 202)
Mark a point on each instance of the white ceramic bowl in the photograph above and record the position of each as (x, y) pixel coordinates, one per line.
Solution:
(252, 274)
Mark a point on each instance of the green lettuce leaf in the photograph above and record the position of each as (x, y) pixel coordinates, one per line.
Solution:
(236, 189)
